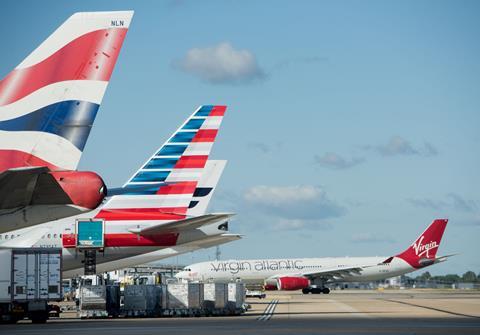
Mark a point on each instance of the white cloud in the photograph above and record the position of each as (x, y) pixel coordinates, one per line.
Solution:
(398, 145)
(221, 64)
(461, 204)
(371, 238)
(277, 195)
(300, 202)
(429, 150)
(451, 201)
(334, 161)
(298, 224)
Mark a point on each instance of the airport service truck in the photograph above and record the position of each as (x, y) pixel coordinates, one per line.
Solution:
(29, 279)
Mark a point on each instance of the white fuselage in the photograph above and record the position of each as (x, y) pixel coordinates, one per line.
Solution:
(49, 235)
(260, 271)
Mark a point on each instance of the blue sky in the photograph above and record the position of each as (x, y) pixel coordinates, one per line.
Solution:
(351, 125)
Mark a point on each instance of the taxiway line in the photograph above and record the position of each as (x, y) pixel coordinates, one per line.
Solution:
(267, 314)
(432, 308)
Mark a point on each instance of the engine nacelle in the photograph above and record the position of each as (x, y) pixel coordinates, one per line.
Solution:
(270, 284)
(292, 283)
(84, 188)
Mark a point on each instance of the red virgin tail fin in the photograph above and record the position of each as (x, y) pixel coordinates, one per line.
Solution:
(423, 250)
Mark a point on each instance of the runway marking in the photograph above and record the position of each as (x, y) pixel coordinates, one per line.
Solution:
(347, 308)
(432, 308)
(267, 314)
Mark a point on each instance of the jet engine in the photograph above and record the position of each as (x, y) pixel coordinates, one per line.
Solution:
(292, 283)
(84, 188)
(270, 284)
(30, 196)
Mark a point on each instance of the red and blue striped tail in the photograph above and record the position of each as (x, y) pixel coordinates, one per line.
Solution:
(166, 182)
(184, 155)
(48, 103)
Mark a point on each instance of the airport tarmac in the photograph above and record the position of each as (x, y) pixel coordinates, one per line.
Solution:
(341, 312)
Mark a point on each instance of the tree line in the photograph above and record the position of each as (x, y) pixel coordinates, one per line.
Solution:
(467, 277)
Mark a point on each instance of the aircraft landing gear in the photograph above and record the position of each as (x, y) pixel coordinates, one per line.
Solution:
(316, 290)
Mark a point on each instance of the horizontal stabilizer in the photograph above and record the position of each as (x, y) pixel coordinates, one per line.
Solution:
(444, 258)
(181, 225)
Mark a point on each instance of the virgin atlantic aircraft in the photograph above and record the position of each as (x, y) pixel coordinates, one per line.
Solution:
(312, 275)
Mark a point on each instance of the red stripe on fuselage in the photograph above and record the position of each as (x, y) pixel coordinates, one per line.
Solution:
(191, 162)
(10, 159)
(128, 240)
(89, 57)
(205, 135)
(134, 240)
(186, 187)
(125, 214)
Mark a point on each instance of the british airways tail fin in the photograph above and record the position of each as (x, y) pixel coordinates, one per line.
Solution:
(48, 103)
(163, 187)
(423, 250)
(205, 188)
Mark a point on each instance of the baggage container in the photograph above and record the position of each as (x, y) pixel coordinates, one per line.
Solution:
(142, 300)
(215, 295)
(236, 296)
(185, 296)
(97, 301)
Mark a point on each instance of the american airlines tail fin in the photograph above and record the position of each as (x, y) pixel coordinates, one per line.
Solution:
(48, 103)
(424, 249)
(163, 187)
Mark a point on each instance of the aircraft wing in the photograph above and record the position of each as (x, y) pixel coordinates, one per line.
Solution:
(182, 225)
(217, 240)
(329, 273)
(336, 273)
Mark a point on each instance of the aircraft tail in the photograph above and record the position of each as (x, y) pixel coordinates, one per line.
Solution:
(48, 103)
(205, 188)
(163, 187)
(423, 250)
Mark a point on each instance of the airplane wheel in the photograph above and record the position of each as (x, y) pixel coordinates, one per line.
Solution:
(325, 290)
(306, 291)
